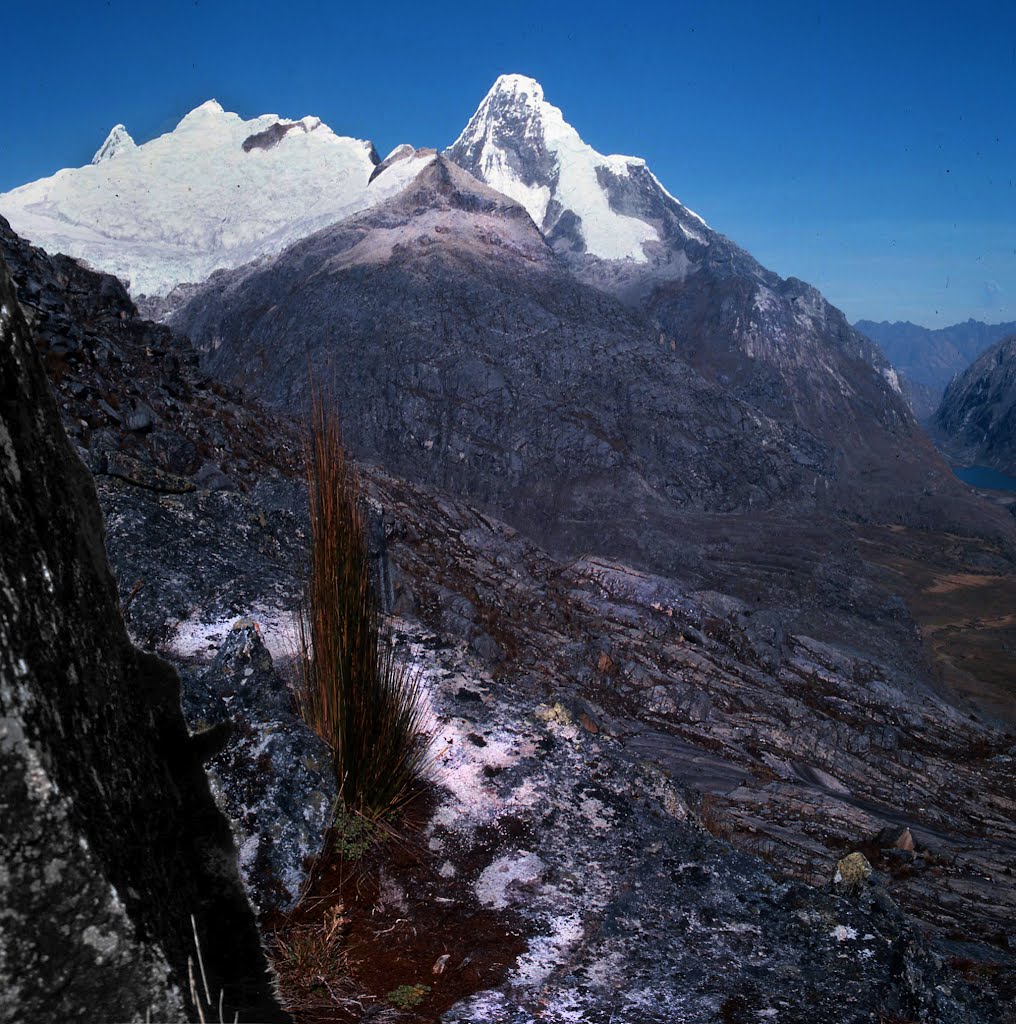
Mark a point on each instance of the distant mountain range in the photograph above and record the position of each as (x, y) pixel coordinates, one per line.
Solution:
(928, 359)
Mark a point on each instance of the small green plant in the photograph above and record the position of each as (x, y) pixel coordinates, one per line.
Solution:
(354, 833)
(355, 693)
(406, 996)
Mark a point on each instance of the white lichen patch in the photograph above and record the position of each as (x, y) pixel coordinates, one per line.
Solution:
(740, 928)
(104, 944)
(197, 638)
(596, 813)
(13, 469)
(843, 932)
(53, 870)
(40, 786)
(548, 952)
(463, 762)
(512, 869)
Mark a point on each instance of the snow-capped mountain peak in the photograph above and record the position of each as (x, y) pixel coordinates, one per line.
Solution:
(117, 142)
(219, 190)
(203, 112)
(527, 89)
(214, 193)
(583, 201)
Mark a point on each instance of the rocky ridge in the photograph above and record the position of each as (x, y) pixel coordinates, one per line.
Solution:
(976, 421)
(470, 359)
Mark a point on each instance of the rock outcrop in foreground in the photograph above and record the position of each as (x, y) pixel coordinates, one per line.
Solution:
(112, 852)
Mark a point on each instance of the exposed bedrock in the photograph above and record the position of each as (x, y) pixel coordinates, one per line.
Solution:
(111, 843)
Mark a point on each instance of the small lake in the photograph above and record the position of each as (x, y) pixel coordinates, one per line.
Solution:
(990, 479)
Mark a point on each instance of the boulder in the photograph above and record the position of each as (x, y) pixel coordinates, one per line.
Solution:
(852, 872)
(273, 778)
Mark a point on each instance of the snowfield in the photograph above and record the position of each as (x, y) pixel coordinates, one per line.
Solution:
(196, 200)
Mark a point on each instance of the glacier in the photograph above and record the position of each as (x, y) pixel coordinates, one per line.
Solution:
(194, 200)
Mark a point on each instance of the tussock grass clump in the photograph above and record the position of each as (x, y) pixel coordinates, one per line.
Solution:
(355, 694)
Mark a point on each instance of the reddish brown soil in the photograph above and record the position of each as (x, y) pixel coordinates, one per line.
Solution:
(389, 919)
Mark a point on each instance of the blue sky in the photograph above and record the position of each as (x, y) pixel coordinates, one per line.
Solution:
(867, 148)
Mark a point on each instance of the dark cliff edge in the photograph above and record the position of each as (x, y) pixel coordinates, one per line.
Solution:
(111, 842)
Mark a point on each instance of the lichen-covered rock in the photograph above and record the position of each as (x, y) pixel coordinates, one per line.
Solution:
(110, 842)
(631, 912)
(274, 779)
(852, 872)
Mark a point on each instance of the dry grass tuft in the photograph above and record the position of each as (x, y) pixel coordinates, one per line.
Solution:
(355, 694)
(314, 970)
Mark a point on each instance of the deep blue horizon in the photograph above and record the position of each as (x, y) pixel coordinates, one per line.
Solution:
(869, 153)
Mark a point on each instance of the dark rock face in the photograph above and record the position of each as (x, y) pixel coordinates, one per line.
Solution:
(977, 417)
(270, 137)
(111, 839)
(781, 349)
(274, 778)
(467, 357)
(927, 359)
